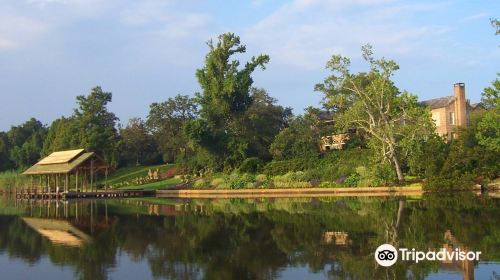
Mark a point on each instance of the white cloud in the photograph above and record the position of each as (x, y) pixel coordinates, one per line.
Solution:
(476, 16)
(304, 33)
(166, 18)
(19, 31)
(44, 3)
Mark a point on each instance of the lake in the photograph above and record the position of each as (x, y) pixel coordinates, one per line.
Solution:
(299, 238)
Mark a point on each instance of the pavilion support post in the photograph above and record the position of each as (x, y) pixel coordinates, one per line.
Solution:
(66, 185)
(84, 181)
(106, 179)
(58, 177)
(76, 181)
(91, 174)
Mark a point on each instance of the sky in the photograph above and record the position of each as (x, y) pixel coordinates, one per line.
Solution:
(147, 51)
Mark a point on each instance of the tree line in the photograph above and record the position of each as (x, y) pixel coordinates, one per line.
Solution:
(232, 126)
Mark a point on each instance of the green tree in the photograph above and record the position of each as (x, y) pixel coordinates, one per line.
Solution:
(263, 120)
(91, 127)
(465, 161)
(224, 99)
(166, 121)
(488, 129)
(96, 125)
(26, 142)
(139, 146)
(373, 104)
(5, 162)
(300, 139)
(496, 24)
(62, 135)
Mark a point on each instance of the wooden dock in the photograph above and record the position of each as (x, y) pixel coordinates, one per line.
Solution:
(79, 195)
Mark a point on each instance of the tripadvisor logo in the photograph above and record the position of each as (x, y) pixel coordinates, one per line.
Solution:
(387, 255)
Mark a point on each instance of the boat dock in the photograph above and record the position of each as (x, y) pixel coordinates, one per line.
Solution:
(76, 195)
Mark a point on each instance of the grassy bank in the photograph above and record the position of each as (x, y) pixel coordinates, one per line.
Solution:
(295, 180)
(155, 185)
(124, 178)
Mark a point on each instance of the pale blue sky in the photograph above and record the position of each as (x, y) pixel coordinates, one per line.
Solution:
(146, 51)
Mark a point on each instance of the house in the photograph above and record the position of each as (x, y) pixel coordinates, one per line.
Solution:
(330, 141)
(450, 112)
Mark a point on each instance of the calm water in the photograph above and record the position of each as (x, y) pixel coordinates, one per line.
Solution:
(322, 238)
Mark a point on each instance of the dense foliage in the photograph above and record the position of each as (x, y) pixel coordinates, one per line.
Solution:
(236, 135)
(373, 104)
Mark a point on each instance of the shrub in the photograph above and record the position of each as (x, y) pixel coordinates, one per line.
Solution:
(288, 184)
(251, 165)
(239, 181)
(201, 183)
(217, 181)
(384, 174)
(352, 180)
(329, 184)
(261, 178)
(223, 186)
(284, 166)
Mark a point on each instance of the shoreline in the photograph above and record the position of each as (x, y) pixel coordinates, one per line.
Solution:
(291, 192)
(278, 193)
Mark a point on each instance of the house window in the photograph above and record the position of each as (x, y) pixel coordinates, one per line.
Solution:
(452, 118)
(436, 119)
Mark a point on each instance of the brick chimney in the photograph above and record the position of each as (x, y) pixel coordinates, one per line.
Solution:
(460, 104)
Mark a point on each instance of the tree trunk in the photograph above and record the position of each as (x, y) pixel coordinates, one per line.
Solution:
(401, 178)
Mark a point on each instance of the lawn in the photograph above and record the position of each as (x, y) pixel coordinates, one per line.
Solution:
(155, 185)
(130, 173)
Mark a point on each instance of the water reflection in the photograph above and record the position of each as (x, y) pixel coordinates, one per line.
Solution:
(250, 238)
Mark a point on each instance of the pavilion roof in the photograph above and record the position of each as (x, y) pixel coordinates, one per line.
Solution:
(64, 162)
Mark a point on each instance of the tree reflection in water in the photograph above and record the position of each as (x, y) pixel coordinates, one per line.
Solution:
(250, 239)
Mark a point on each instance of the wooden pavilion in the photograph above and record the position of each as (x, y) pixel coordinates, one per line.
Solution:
(65, 171)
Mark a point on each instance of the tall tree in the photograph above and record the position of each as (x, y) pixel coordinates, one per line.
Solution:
(372, 103)
(26, 142)
(263, 120)
(166, 121)
(225, 97)
(300, 139)
(96, 125)
(139, 146)
(5, 162)
(496, 24)
(63, 134)
(488, 128)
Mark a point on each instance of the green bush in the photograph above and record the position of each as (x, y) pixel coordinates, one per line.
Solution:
(240, 181)
(329, 184)
(352, 180)
(261, 178)
(384, 174)
(285, 166)
(217, 182)
(201, 183)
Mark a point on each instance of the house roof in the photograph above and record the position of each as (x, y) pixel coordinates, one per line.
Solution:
(63, 162)
(438, 102)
